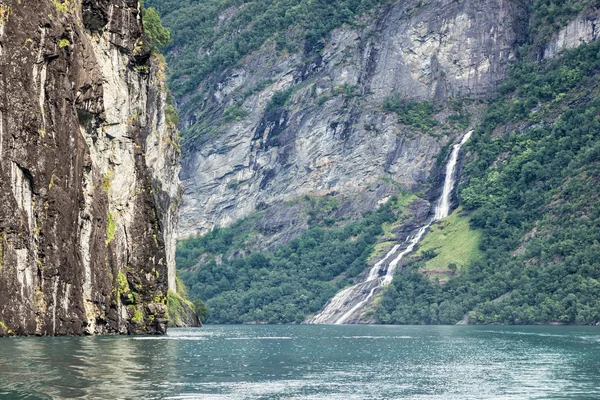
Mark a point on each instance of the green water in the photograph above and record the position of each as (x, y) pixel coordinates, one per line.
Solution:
(309, 362)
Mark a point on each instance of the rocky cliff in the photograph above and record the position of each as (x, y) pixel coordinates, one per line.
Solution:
(582, 29)
(88, 171)
(281, 125)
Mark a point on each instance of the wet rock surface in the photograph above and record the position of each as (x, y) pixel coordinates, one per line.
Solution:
(88, 171)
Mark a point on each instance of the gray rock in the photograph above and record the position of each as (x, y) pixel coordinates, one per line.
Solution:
(332, 137)
(583, 29)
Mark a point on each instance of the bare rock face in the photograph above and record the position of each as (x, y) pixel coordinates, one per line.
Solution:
(332, 136)
(88, 171)
(583, 29)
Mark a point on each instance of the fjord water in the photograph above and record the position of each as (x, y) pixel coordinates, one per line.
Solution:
(309, 362)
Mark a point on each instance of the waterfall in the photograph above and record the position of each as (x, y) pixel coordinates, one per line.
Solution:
(345, 297)
(350, 300)
(443, 208)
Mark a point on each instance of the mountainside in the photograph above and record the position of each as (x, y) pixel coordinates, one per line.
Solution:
(89, 191)
(530, 189)
(286, 122)
(301, 118)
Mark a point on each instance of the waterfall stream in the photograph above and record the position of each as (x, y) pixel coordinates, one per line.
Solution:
(351, 300)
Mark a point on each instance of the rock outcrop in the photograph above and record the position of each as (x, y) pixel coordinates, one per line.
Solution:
(88, 171)
(182, 313)
(332, 137)
(583, 29)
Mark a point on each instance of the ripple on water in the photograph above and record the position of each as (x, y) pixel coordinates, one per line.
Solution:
(375, 337)
(193, 338)
(262, 338)
(310, 362)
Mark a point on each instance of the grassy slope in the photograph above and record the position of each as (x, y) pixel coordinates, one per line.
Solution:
(181, 311)
(453, 241)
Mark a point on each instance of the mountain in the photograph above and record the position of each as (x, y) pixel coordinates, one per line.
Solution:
(315, 140)
(89, 191)
(309, 116)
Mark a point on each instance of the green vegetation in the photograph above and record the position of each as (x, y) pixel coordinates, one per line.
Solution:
(279, 100)
(123, 291)
(138, 316)
(532, 194)
(234, 113)
(5, 13)
(106, 178)
(171, 115)
(122, 283)
(111, 227)
(4, 327)
(459, 120)
(293, 25)
(388, 239)
(460, 117)
(422, 115)
(347, 91)
(548, 16)
(178, 307)
(64, 43)
(216, 242)
(61, 6)
(451, 241)
(201, 310)
(281, 286)
(158, 36)
(321, 209)
(418, 115)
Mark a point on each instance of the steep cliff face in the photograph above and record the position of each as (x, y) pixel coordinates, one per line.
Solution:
(88, 190)
(584, 28)
(282, 125)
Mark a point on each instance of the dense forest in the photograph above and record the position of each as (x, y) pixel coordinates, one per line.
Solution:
(281, 286)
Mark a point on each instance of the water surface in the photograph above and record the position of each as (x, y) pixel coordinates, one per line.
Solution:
(309, 362)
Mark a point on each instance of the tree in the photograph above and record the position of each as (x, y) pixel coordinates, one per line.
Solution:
(201, 309)
(452, 267)
(158, 36)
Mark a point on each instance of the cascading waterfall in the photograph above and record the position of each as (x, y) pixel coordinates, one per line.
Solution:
(353, 299)
(443, 208)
